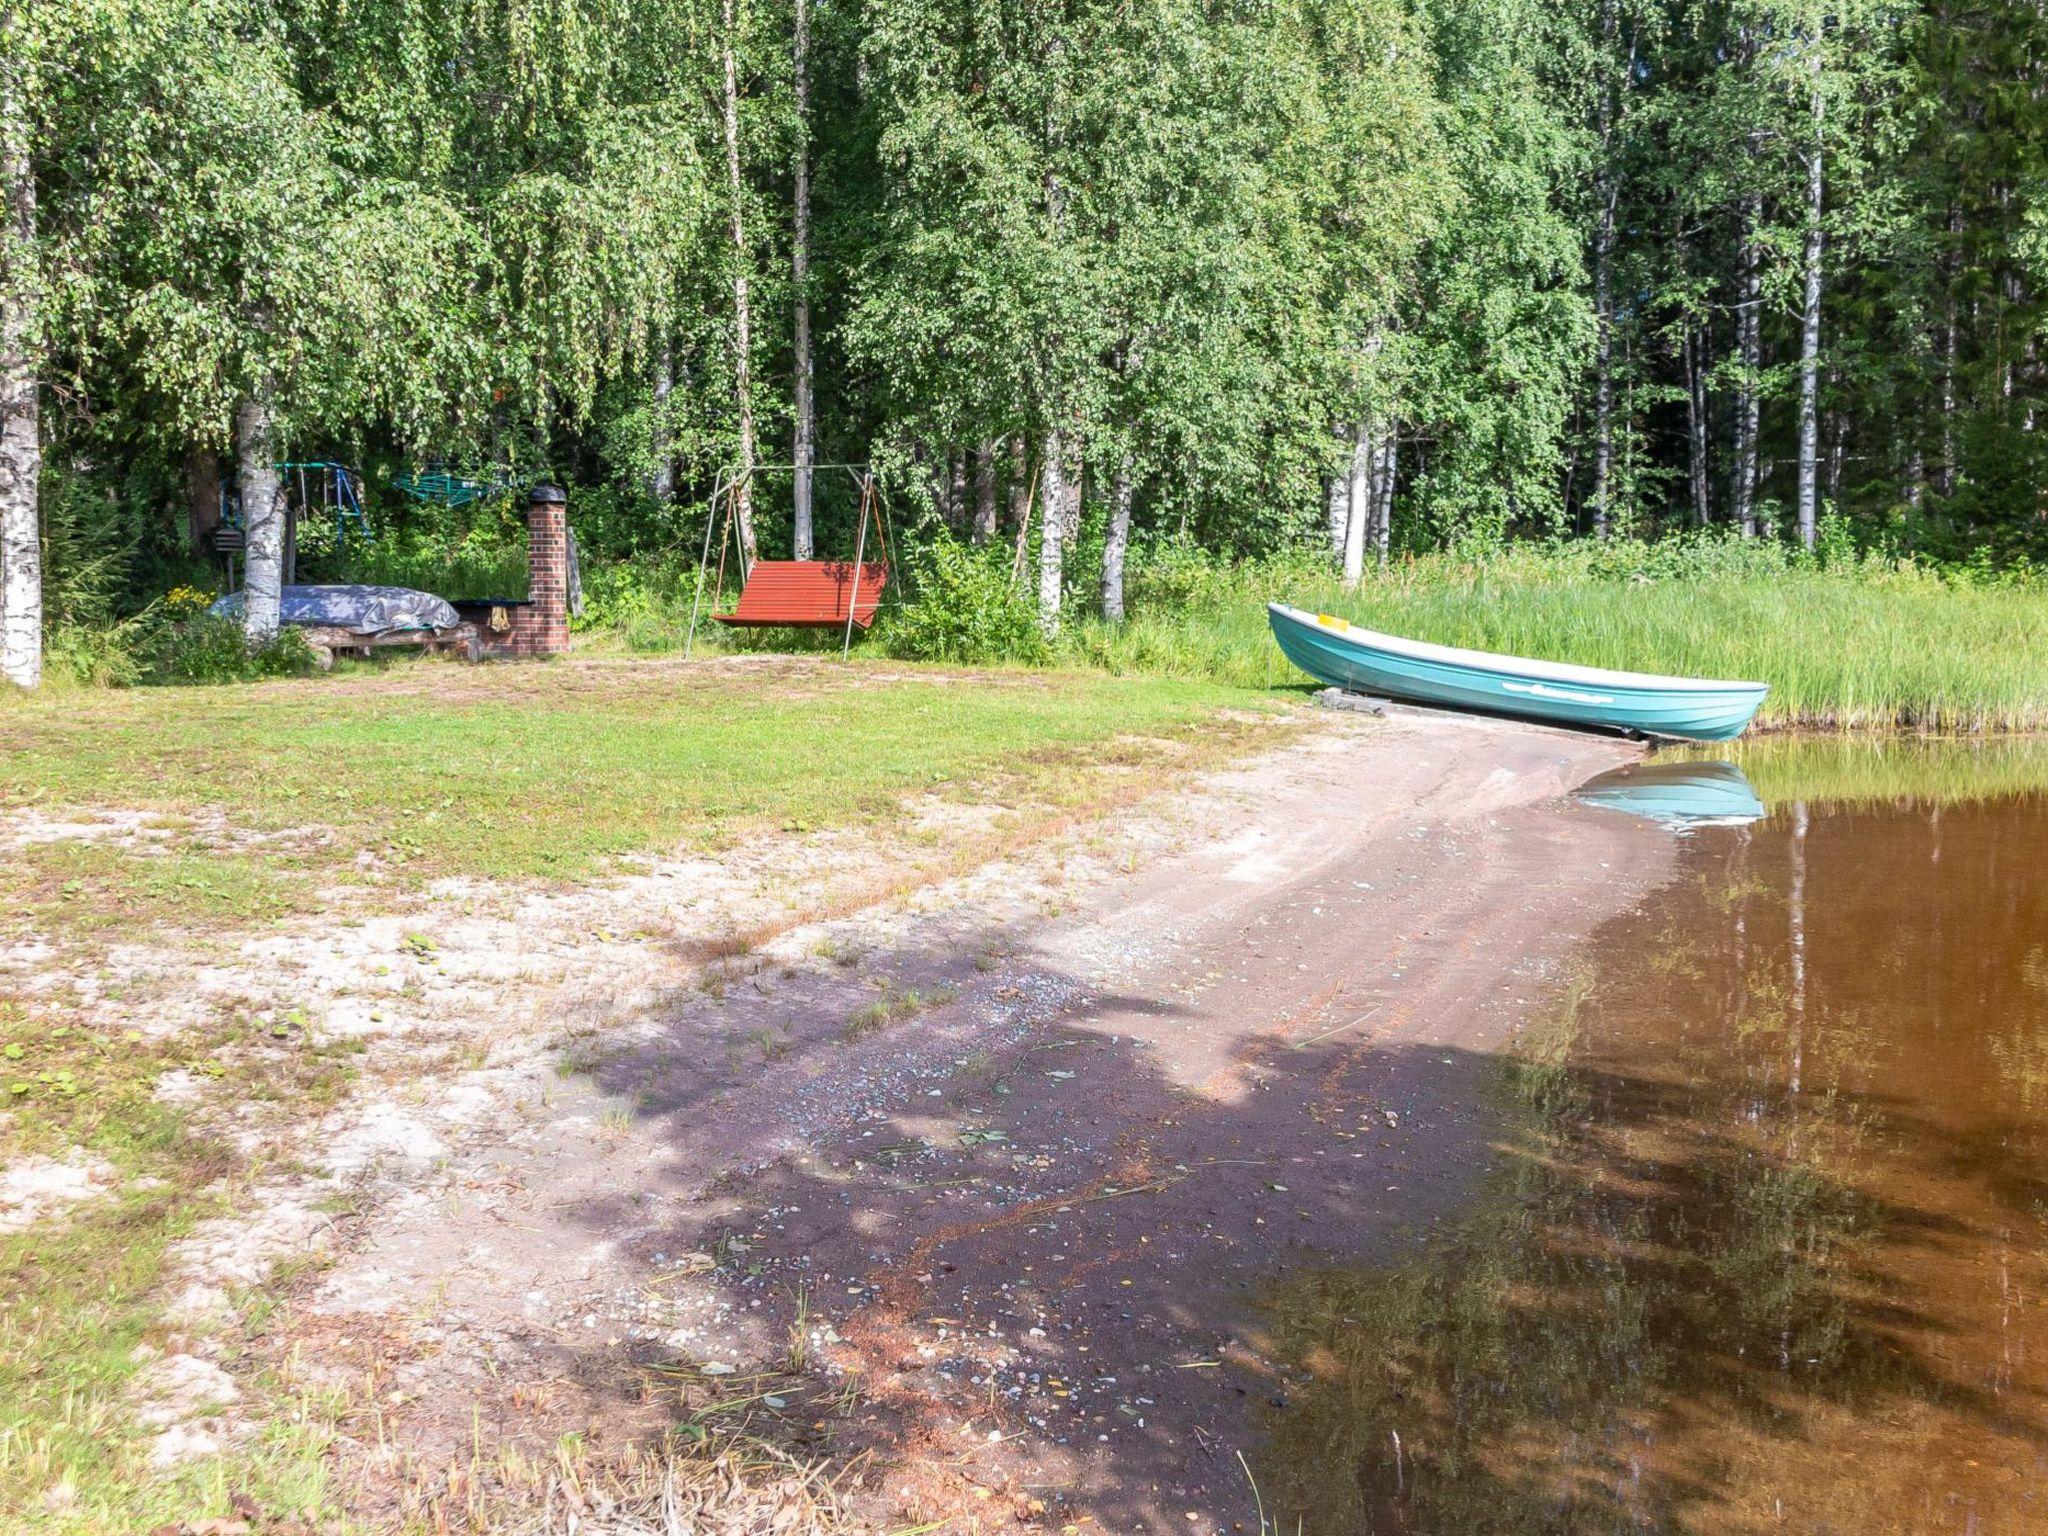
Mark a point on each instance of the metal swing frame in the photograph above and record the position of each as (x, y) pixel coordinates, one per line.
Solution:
(725, 493)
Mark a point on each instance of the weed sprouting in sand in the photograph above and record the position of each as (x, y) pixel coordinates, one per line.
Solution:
(892, 1007)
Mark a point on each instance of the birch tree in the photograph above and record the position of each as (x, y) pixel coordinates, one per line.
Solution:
(806, 432)
(742, 306)
(21, 576)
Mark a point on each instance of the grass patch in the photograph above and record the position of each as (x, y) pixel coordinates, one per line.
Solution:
(1848, 645)
(78, 1291)
(893, 1007)
(87, 889)
(538, 771)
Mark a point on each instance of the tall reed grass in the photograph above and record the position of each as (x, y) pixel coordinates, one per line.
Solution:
(1847, 645)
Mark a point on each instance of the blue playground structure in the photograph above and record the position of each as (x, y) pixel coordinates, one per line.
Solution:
(309, 489)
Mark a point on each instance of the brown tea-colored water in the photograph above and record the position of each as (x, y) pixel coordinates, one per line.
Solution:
(1767, 1245)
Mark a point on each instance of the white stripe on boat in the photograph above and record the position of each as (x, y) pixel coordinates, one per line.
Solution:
(1545, 691)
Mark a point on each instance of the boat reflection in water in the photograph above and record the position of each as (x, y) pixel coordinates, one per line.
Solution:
(1678, 794)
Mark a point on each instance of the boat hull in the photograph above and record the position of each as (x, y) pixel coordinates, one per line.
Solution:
(1364, 661)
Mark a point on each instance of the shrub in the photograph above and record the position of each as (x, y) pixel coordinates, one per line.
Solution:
(208, 649)
(965, 610)
(645, 602)
(92, 656)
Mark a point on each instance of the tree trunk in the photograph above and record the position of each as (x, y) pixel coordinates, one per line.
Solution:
(1696, 429)
(1603, 290)
(1051, 525)
(1020, 483)
(1749, 344)
(1838, 453)
(1337, 501)
(1116, 542)
(799, 273)
(21, 443)
(985, 492)
(661, 480)
(1360, 500)
(263, 517)
(956, 489)
(1945, 478)
(1077, 470)
(742, 314)
(1383, 496)
(1809, 339)
(202, 496)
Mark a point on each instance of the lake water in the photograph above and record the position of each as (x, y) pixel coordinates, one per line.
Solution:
(1766, 1247)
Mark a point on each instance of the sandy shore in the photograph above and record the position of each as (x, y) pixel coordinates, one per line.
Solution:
(984, 1184)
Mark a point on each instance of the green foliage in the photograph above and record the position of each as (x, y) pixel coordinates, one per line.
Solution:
(1200, 245)
(646, 603)
(966, 609)
(93, 656)
(210, 649)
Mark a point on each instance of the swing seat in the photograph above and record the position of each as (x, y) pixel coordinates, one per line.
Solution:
(807, 594)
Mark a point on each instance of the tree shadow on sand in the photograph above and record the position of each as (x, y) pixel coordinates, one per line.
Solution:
(1609, 1301)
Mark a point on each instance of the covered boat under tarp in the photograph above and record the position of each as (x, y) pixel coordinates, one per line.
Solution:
(361, 610)
(1641, 703)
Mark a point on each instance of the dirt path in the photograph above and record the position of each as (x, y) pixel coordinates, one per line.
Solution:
(987, 1183)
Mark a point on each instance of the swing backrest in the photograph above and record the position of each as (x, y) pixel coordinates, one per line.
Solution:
(807, 594)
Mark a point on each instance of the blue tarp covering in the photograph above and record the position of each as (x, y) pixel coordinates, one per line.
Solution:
(363, 610)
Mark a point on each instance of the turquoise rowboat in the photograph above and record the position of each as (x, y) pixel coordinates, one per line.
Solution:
(1641, 703)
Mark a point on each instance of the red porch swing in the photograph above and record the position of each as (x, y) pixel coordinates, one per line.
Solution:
(801, 594)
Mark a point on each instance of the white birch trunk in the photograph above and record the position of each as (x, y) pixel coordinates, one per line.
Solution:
(1603, 294)
(661, 480)
(1809, 337)
(742, 313)
(1052, 501)
(21, 445)
(1360, 502)
(1945, 478)
(1749, 344)
(262, 518)
(1116, 543)
(800, 273)
(1383, 497)
(1337, 495)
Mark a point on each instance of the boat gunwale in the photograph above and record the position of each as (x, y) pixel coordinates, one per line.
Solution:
(1503, 664)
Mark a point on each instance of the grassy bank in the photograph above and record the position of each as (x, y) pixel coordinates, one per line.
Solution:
(436, 769)
(1851, 646)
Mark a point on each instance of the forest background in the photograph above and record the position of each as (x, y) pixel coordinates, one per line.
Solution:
(1130, 304)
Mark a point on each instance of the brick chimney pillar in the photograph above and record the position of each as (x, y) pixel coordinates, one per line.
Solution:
(546, 627)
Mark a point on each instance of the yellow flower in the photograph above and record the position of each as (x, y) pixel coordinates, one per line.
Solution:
(183, 602)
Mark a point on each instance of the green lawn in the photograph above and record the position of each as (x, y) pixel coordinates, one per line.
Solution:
(542, 771)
